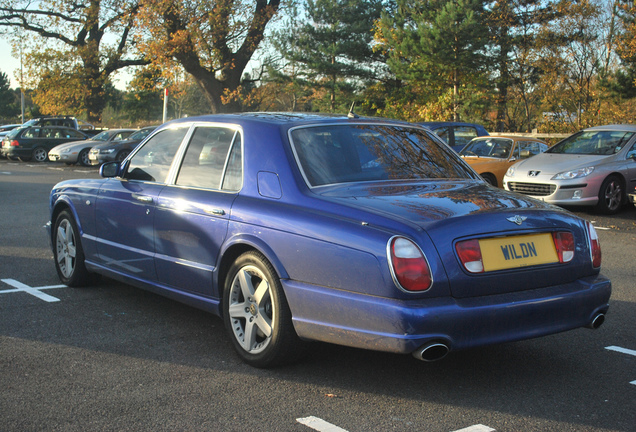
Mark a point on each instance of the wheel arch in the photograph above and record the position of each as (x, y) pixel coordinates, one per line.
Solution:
(61, 204)
(238, 245)
(491, 176)
(623, 181)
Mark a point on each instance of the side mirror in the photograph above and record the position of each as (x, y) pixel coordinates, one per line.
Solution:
(109, 169)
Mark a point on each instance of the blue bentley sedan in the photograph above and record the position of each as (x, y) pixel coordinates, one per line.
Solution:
(364, 232)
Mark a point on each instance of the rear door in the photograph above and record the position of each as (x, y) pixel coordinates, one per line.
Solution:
(193, 213)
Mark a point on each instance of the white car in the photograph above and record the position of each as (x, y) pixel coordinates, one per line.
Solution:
(594, 167)
(77, 151)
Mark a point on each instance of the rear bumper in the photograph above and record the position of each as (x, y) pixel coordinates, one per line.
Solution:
(403, 326)
(16, 152)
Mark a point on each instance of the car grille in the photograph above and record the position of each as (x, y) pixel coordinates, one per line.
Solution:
(534, 189)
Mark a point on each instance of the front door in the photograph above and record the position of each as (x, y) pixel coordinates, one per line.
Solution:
(126, 207)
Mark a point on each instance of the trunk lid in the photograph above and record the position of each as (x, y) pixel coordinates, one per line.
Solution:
(452, 211)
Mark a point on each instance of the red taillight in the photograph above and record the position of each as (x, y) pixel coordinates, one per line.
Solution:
(14, 143)
(564, 244)
(595, 246)
(469, 254)
(409, 265)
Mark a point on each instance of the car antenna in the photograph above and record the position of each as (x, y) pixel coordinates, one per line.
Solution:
(351, 114)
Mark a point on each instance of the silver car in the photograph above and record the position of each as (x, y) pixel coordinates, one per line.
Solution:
(593, 167)
(77, 152)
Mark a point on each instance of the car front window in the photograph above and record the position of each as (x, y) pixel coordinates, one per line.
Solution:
(593, 143)
(490, 147)
(353, 153)
(152, 161)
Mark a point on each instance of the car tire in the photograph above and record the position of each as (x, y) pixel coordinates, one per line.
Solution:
(82, 158)
(490, 179)
(611, 196)
(122, 155)
(39, 154)
(256, 314)
(68, 252)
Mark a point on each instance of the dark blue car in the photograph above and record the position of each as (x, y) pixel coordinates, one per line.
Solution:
(362, 232)
(456, 134)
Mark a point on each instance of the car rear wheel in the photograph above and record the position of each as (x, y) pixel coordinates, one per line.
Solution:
(610, 196)
(68, 252)
(83, 159)
(256, 313)
(39, 154)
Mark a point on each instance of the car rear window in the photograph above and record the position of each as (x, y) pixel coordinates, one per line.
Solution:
(353, 153)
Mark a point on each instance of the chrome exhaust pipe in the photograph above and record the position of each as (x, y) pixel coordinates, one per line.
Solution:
(432, 351)
(597, 321)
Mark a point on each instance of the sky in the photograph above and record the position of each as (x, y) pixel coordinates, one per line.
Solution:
(9, 64)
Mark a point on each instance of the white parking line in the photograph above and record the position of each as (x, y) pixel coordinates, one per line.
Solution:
(623, 351)
(476, 428)
(319, 424)
(322, 426)
(34, 291)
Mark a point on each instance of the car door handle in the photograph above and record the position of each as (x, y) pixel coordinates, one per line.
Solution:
(214, 211)
(143, 198)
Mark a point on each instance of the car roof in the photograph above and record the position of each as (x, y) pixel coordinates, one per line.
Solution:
(447, 123)
(289, 119)
(510, 137)
(614, 127)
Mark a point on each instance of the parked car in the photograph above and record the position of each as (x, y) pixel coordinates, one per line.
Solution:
(369, 233)
(591, 168)
(77, 152)
(34, 142)
(4, 129)
(492, 156)
(65, 121)
(456, 134)
(118, 150)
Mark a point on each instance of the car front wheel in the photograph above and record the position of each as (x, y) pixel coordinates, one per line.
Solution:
(68, 252)
(256, 313)
(610, 196)
(122, 155)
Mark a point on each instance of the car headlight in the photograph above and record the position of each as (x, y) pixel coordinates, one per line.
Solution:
(65, 151)
(511, 171)
(107, 151)
(578, 173)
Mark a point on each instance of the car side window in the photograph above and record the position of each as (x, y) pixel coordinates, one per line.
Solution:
(443, 133)
(463, 134)
(152, 161)
(206, 158)
(49, 132)
(233, 179)
(33, 132)
(72, 133)
(631, 154)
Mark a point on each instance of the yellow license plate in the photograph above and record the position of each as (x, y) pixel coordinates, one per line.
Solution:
(517, 251)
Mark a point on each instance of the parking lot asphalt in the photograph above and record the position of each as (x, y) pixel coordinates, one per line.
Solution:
(113, 357)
